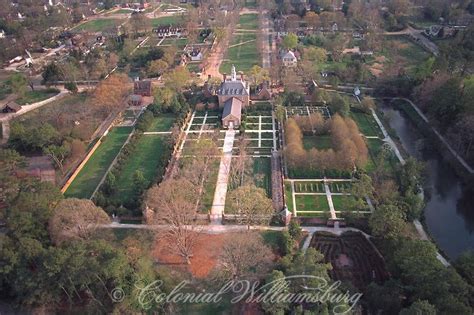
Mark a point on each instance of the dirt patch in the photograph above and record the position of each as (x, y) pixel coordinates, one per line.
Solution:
(206, 253)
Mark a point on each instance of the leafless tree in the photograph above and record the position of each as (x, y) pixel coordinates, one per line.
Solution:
(75, 219)
(244, 257)
(173, 204)
(251, 205)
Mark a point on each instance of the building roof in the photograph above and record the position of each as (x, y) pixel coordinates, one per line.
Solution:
(233, 88)
(13, 106)
(289, 55)
(233, 106)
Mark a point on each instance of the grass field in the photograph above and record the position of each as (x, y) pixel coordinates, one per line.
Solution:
(178, 42)
(31, 97)
(311, 203)
(248, 21)
(404, 52)
(165, 20)
(89, 177)
(98, 25)
(162, 123)
(262, 174)
(242, 51)
(322, 142)
(367, 124)
(151, 151)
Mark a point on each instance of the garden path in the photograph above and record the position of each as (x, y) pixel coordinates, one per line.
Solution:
(220, 193)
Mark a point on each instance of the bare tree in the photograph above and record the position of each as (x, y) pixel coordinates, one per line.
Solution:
(75, 219)
(173, 204)
(251, 205)
(244, 256)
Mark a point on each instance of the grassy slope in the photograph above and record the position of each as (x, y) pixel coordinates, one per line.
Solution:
(98, 25)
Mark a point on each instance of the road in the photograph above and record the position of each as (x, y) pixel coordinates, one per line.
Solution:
(267, 50)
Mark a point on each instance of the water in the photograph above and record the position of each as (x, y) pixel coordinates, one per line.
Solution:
(449, 212)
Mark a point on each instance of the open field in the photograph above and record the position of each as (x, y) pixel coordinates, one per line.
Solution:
(242, 51)
(400, 50)
(98, 25)
(31, 97)
(164, 122)
(322, 142)
(89, 177)
(166, 20)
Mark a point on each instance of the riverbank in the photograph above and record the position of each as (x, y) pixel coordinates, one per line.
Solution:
(461, 168)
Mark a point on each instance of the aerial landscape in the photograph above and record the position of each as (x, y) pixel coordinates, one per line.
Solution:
(237, 157)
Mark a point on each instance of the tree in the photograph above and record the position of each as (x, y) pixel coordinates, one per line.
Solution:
(290, 41)
(139, 22)
(387, 221)
(276, 279)
(420, 307)
(251, 205)
(244, 256)
(465, 265)
(367, 104)
(259, 75)
(110, 93)
(173, 203)
(340, 104)
(312, 20)
(51, 73)
(362, 189)
(177, 79)
(19, 84)
(156, 68)
(58, 154)
(315, 54)
(295, 230)
(75, 219)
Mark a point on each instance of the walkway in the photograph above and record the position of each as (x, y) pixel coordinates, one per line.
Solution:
(218, 204)
(388, 139)
(329, 198)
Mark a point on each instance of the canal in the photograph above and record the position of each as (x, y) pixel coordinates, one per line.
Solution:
(449, 212)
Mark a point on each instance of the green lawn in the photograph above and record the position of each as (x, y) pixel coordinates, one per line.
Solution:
(150, 154)
(322, 142)
(262, 174)
(89, 177)
(245, 55)
(31, 97)
(341, 202)
(178, 42)
(162, 123)
(210, 187)
(98, 25)
(166, 20)
(248, 21)
(367, 124)
(311, 203)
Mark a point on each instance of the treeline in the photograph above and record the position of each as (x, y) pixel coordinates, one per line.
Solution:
(53, 257)
(348, 151)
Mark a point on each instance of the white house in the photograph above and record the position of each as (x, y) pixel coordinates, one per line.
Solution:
(289, 59)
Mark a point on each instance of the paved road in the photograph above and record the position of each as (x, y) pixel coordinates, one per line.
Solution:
(266, 25)
(418, 37)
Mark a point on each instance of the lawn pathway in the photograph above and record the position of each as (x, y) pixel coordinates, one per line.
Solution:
(218, 204)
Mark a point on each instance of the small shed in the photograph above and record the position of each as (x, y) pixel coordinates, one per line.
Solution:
(11, 107)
